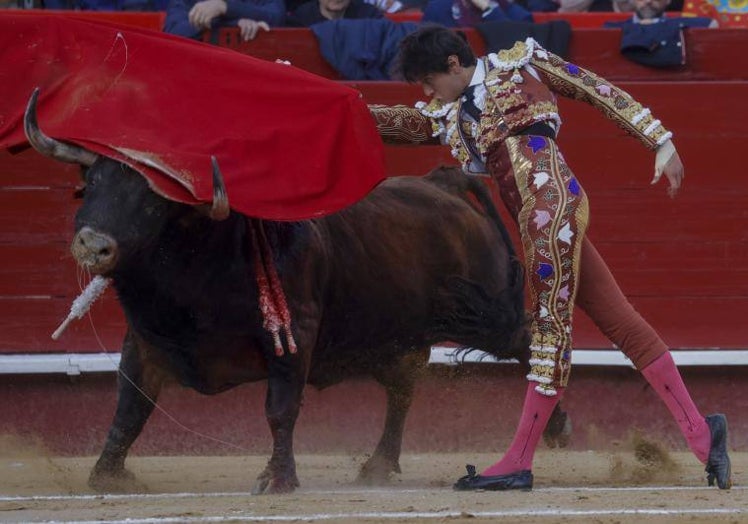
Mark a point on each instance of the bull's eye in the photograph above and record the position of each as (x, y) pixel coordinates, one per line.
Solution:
(79, 192)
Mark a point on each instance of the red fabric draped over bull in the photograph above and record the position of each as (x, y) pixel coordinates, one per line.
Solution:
(291, 145)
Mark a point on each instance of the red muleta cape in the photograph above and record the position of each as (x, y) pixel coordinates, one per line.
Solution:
(291, 145)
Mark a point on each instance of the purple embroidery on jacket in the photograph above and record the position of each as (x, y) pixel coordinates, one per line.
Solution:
(574, 186)
(536, 143)
(544, 271)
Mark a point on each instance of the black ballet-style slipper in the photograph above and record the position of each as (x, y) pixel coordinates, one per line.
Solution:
(521, 480)
(718, 465)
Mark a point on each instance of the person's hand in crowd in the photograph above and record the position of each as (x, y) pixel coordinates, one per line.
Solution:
(249, 28)
(482, 5)
(202, 13)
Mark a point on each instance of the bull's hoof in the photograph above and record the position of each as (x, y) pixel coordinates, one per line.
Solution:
(118, 481)
(558, 433)
(269, 485)
(377, 471)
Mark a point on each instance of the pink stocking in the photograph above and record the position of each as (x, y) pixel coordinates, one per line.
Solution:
(535, 414)
(663, 376)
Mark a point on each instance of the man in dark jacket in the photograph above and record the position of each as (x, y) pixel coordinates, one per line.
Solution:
(650, 38)
(316, 11)
(648, 12)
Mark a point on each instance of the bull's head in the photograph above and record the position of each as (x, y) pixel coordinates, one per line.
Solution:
(119, 212)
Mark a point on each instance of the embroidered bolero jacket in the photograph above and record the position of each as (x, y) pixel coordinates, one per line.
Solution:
(517, 91)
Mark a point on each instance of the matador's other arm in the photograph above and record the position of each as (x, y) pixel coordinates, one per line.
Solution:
(402, 124)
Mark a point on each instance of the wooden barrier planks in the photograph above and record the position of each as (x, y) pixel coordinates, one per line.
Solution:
(684, 262)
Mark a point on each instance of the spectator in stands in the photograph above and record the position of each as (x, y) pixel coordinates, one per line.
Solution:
(652, 39)
(653, 12)
(469, 13)
(107, 5)
(189, 18)
(316, 11)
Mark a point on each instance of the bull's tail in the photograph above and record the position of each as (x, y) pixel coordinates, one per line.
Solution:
(469, 316)
(476, 320)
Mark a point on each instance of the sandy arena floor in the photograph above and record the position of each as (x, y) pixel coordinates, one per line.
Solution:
(570, 487)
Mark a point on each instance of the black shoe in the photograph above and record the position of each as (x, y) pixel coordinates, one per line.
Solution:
(718, 465)
(471, 482)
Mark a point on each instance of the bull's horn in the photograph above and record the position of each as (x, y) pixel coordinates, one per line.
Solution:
(49, 146)
(220, 208)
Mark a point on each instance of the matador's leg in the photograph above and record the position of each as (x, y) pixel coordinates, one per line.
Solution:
(552, 221)
(551, 210)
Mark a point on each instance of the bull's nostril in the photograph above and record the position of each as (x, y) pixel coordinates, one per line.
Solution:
(94, 249)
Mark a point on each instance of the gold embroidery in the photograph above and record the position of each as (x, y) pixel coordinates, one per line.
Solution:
(578, 83)
(552, 221)
(402, 124)
(515, 57)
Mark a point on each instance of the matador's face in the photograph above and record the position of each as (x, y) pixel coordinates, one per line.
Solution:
(447, 86)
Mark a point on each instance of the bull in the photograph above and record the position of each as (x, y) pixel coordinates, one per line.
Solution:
(369, 290)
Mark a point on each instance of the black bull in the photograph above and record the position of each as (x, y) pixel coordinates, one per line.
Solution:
(369, 289)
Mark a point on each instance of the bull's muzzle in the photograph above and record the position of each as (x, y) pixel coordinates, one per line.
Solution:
(94, 251)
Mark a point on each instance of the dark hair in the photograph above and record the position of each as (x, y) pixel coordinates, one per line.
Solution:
(426, 50)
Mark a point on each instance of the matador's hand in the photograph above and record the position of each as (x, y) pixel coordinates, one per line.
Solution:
(668, 162)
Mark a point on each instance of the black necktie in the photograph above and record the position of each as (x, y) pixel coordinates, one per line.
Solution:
(468, 104)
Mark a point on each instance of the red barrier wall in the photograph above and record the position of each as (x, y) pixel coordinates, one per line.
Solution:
(684, 262)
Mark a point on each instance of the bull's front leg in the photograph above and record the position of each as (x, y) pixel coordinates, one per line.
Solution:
(286, 379)
(133, 409)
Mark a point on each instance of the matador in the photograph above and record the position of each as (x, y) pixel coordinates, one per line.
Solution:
(499, 116)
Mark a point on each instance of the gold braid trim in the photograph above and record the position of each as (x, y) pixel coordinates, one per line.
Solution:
(578, 83)
(402, 125)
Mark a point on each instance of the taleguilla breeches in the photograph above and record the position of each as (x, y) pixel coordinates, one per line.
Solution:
(551, 210)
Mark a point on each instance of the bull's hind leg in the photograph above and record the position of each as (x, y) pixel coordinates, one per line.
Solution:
(558, 430)
(133, 409)
(399, 382)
